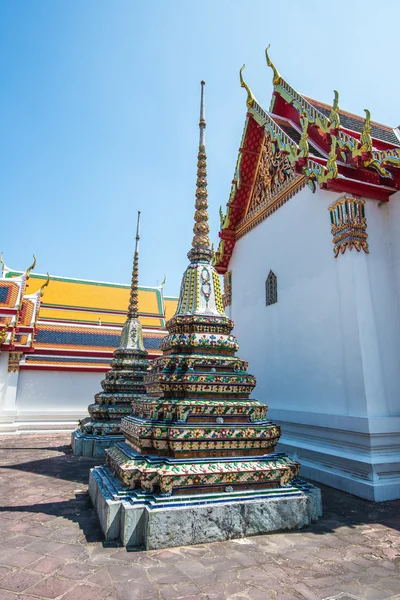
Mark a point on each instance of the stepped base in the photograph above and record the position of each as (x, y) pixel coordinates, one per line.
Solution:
(142, 520)
(85, 444)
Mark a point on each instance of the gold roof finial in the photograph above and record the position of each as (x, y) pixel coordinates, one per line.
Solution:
(29, 269)
(250, 97)
(334, 115)
(134, 297)
(2, 263)
(365, 137)
(276, 79)
(46, 283)
(201, 242)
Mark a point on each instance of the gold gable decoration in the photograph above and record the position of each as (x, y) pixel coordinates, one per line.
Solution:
(274, 174)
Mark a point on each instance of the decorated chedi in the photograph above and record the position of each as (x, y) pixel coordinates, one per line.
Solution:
(123, 383)
(199, 461)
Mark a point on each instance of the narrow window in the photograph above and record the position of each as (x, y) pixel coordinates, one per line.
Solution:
(271, 289)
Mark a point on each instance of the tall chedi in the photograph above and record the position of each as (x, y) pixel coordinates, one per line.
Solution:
(123, 383)
(198, 463)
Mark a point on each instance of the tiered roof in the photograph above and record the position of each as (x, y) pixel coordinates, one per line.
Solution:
(321, 145)
(78, 323)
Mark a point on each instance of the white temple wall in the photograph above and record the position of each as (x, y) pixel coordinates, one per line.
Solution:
(326, 355)
(314, 315)
(50, 400)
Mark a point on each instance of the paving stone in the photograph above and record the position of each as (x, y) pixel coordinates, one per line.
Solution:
(86, 592)
(76, 570)
(51, 587)
(48, 564)
(21, 558)
(19, 581)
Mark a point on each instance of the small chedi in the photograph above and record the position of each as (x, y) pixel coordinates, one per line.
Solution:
(122, 386)
(199, 461)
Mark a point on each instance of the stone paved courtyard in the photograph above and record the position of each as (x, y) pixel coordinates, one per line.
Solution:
(51, 545)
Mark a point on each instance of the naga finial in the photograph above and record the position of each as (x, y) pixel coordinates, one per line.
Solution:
(331, 164)
(201, 242)
(221, 216)
(46, 283)
(250, 97)
(163, 281)
(334, 115)
(276, 79)
(365, 137)
(303, 143)
(29, 269)
(2, 263)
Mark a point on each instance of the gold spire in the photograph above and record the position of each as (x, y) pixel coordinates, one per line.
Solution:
(201, 242)
(250, 97)
(276, 79)
(133, 301)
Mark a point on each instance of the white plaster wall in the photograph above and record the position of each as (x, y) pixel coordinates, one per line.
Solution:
(305, 349)
(8, 389)
(55, 392)
(380, 334)
(50, 400)
(326, 356)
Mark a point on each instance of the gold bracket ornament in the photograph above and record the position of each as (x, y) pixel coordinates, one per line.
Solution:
(4, 333)
(13, 361)
(348, 225)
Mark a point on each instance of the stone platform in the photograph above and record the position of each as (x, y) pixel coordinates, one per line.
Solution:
(150, 521)
(93, 445)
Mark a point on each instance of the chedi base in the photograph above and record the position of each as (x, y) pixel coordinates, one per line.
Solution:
(139, 520)
(93, 445)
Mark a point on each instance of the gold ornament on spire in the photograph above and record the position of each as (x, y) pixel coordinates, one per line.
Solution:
(250, 98)
(276, 79)
(133, 310)
(201, 241)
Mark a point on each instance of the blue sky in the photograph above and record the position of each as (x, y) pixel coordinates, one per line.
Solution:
(99, 115)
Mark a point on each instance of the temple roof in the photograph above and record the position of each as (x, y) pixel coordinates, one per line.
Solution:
(87, 301)
(77, 324)
(320, 145)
